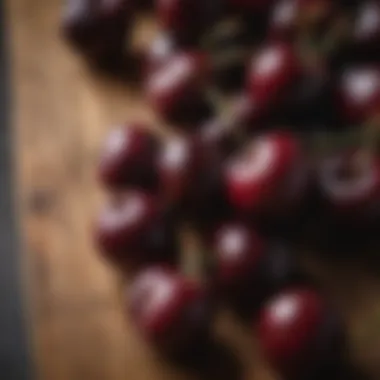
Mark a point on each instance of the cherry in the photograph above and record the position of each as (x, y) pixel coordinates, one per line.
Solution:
(247, 269)
(345, 214)
(267, 176)
(283, 19)
(98, 28)
(175, 315)
(359, 93)
(300, 336)
(189, 177)
(366, 30)
(238, 251)
(128, 158)
(179, 161)
(159, 52)
(134, 229)
(350, 183)
(272, 70)
(172, 312)
(187, 20)
(175, 90)
(292, 85)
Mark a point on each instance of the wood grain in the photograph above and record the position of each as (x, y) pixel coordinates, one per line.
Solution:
(61, 114)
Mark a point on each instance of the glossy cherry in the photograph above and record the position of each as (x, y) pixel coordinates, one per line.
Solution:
(346, 204)
(176, 90)
(159, 52)
(172, 312)
(128, 158)
(271, 72)
(268, 175)
(179, 161)
(238, 252)
(350, 183)
(359, 94)
(283, 19)
(189, 177)
(246, 268)
(99, 29)
(366, 30)
(300, 335)
(134, 229)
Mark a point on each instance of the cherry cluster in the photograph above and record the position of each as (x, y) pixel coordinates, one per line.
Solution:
(289, 163)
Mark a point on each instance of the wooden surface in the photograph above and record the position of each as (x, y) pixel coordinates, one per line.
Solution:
(61, 113)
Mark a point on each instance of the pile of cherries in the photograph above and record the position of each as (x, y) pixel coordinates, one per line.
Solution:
(290, 163)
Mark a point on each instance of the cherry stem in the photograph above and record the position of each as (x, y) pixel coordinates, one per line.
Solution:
(222, 107)
(192, 260)
(227, 27)
(330, 41)
(227, 117)
(335, 36)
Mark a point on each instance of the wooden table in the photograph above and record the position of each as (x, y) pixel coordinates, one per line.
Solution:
(61, 113)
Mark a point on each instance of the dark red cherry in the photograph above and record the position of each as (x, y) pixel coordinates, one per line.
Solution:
(189, 177)
(99, 28)
(175, 315)
(350, 183)
(247, 269)
(179, 161)
(300, 336)
(346, 211)
(272, 70)
(128, 158)
(359, 94)
(283, 19)
(134, 229)
(366, 29)
(268, 174)
(159, 52)
(176, 90)
(187, 20)
(238, 252)
(171, 311)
